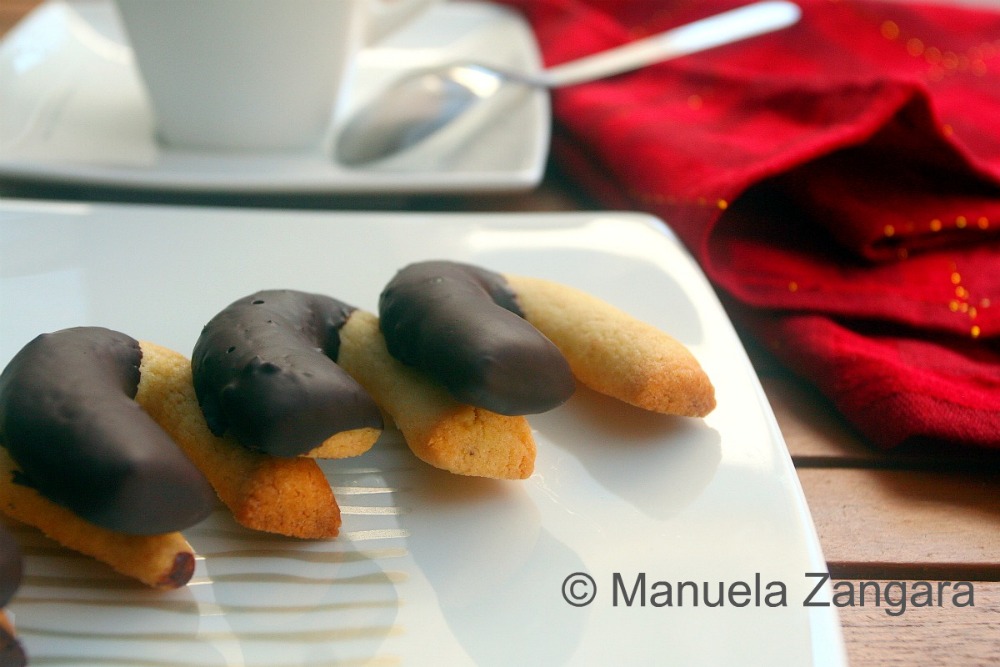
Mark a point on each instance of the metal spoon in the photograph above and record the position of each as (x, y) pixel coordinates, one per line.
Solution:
(424, 101)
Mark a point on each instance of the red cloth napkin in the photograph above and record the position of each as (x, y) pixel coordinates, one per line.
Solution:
(838, 181)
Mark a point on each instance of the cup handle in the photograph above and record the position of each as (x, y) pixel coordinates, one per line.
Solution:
(385, 16)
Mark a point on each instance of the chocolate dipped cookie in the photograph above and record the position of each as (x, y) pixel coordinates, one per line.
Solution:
(265, 371)
(440, 430)
(462, 325)
(83, 462)
(479, 334)
(287, 365)
(276, 494)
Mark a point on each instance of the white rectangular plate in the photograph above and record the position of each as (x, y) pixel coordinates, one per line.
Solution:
(433, 568)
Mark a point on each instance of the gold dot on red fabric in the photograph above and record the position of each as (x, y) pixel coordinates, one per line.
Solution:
(961, 221)
(889, 230)
(935, 225)
(962, 302)
(793, 286)
(722, 204)
(983, 222)
(941, 62)
(890, 30)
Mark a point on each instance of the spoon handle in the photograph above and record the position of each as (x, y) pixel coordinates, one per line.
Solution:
(748, 21)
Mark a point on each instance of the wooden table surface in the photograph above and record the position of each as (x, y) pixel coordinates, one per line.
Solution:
(914, 515)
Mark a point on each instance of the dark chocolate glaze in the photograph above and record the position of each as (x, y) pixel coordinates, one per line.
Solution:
(461, 325)
(69, 421)
(11, 652)
(11, 572)
(180, 573)
(264, 370)
(11, 566)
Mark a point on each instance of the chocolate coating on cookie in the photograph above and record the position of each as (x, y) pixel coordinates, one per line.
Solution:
(11, 566)
(264, 370)
(11, 652)
(461, 324)
(69, 421)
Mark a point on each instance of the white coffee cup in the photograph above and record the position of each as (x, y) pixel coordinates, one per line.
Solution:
(252, 74)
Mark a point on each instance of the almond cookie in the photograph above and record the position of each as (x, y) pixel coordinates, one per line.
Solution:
(85, 464)
(285, 495)
(514, 344)
(163, 561)
(454, 436)
(614, 353)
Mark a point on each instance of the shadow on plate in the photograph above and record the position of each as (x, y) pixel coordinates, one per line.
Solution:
(658, 463)
(496, 570)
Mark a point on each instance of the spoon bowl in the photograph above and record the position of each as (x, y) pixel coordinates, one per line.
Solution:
(414, 107)
(423, 102)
